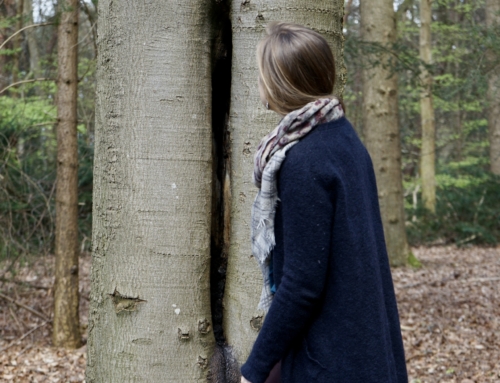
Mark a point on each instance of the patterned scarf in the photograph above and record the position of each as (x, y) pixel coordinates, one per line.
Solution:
(267, 162)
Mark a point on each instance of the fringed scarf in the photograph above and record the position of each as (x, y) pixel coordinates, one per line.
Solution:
(267, 162)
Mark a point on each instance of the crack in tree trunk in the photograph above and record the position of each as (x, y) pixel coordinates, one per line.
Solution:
(224, 367)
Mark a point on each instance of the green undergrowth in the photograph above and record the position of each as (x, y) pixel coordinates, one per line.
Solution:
(467, 207)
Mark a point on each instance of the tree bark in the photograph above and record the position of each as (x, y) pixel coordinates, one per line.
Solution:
(8, 8)
(66, 328)
(150, 317)
(32, 43)
(493, 21)
(17, 45)
(381, 130)
(249, 121)
(428, 150)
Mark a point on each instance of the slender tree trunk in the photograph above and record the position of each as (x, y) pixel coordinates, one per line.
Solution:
(493, 21)
(150, 317)
(31, 38)
(428, 151)
(17, 45)
(66, 329)
(381, 130)
(249, 122)
(8, 8)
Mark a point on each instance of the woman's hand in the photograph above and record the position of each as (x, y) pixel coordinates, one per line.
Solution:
(243, 380)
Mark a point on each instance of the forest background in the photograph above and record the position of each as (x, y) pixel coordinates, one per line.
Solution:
(465, 55)
(467, 208)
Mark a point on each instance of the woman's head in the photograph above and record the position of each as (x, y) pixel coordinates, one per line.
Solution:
(296, 66)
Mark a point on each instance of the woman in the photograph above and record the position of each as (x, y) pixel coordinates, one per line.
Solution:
(316, 230)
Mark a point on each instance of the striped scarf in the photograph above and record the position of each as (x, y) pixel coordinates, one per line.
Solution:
(267, 162)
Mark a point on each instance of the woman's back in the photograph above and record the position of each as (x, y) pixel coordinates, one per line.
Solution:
(331, 268)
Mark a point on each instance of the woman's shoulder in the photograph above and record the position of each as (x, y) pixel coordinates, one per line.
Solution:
(334, 144)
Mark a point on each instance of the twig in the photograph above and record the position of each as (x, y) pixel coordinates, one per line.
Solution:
(468, 239)
(24, 350)
(472, 280)
(450, 279)
(22, 29)
(10, 266)
(24, 82)
(22, 283)
(16, 319)
(34, 312)
(13, 343)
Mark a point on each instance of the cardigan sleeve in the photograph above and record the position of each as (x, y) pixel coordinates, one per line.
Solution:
(307, 207)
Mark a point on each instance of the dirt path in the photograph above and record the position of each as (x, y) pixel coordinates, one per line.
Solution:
(450, 317)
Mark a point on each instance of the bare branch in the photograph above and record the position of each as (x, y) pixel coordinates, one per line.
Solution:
(34, 312)
(22, 29)
(25, 81)
(24, 336)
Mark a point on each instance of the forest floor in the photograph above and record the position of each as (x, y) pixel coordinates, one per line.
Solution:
(449, 308)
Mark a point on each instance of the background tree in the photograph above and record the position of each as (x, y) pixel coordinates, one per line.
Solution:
(428, 151)
(493, 22)
(381, 127)
(17, 42)
(249, 121)
(150, 316)
(66, 329)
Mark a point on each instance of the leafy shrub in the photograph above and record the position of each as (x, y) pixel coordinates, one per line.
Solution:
(467, 207)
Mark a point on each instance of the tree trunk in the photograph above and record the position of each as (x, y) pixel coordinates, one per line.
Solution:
(31, 38)
(150, 317)
(8, 9)
(493, 21)
(17, 45)
(428, 150)
(381, 130)
(66, 329)
(249, 122)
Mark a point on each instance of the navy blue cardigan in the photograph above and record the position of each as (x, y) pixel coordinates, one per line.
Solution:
(334, 316)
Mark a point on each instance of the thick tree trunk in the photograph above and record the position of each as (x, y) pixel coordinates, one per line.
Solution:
(428, 150)
(493, 21)
(381, 130)
(150, 317)
(249, 122)
(66, 329)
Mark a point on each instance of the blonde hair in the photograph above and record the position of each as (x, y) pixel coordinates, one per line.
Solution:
(296, 66)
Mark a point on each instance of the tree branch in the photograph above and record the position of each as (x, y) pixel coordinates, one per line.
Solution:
(26, 81)
(34, 312)
(24, 336)
(22, 29)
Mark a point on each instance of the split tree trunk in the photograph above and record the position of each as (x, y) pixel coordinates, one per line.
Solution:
(150, 317)
(249, 122)
(428, 150)
(66, 329)
(381, 130)
(493, 21)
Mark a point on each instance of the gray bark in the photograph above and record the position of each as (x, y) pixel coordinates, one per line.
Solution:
(31, 38)
(249, 122)
(380, 124)
(428, 151)
(150, 299)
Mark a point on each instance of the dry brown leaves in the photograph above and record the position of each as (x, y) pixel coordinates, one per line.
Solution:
(30, 358)
(450, 316)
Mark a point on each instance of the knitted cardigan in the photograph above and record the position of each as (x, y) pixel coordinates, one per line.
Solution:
(334, 316)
